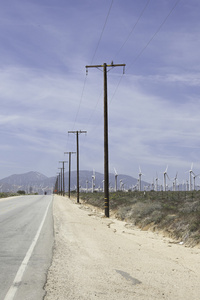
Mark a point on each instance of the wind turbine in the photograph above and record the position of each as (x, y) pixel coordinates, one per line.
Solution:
(165, 179)
(93, 181)
(121, 184)
(87, 185)
(103, 181)
(115, 180)
(174, 182)
(190, 177)
(194, 177)
(153, 185)
(139, 180)
(156, 184)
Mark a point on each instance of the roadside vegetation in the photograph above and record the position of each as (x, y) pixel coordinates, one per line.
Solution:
(5, 195)
(10, 194)
(176, 214)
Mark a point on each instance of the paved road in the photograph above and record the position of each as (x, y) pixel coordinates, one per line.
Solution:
(26, 241)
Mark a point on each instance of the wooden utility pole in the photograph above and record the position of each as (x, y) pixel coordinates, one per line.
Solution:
(69, 177)
(106, 158)
(58, 183)
(77, 154)
(60, 180)
(63, 177)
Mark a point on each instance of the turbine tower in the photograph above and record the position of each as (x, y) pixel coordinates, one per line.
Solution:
(121, 184)
(190, 177)
(194, 177)
(86, 186)
(156, 185)
(174, 182)
(165, 179)
(139, 180)
(103, 184)
(93, 181)
(115, 180)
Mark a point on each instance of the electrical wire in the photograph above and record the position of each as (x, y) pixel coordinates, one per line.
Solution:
(102, 32)
(136, 58)
(142, 12)
(153, 36)
(145, 47)
(134, 26)
(84, 84)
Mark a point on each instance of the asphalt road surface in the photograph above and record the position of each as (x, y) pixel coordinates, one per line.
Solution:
(26, 242)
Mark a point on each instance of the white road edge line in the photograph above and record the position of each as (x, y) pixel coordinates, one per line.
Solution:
(15, 285)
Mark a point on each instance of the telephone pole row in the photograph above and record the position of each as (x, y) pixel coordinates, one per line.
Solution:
(77, 154)
(61, 181)
(106, 158)
(63, 177)
(69, 182)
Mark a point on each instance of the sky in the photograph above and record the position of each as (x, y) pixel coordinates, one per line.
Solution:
(153, 107)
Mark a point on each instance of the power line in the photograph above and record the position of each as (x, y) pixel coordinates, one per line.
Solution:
(153, 36)
(80, 100)
(102, 31)
(84, 84)
(142, 12)
(147, 3)
(137, 57)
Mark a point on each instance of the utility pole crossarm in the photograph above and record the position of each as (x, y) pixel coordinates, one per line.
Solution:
(105, 66)
(77, 131)
(101, 66)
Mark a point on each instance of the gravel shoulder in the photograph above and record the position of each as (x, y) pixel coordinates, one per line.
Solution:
(99, 258)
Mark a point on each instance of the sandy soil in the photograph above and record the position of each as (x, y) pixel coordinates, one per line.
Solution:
(100, 258)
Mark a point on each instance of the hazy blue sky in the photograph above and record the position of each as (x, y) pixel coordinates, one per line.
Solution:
(44, 91)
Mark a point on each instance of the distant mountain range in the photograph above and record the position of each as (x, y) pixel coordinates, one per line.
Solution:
(34, 182)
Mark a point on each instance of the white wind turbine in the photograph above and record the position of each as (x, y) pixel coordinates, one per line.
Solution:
(93, 181)
(194, 177)
(174, 182)
(156, 184)
(165, 179)
(121, 184)
(103, 181)
(153, 185)
(87, 185)
(190, 177)
(140, 180)
(115, 180)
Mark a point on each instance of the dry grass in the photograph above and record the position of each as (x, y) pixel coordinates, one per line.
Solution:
(177, 214)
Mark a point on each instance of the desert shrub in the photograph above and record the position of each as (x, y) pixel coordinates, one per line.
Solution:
(139, 211)
(20, 192)
(142, 209)
(123, 213)
(157, 216)
(176, 213)
(189, 207)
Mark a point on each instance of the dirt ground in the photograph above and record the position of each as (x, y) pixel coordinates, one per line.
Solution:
(100, 258)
